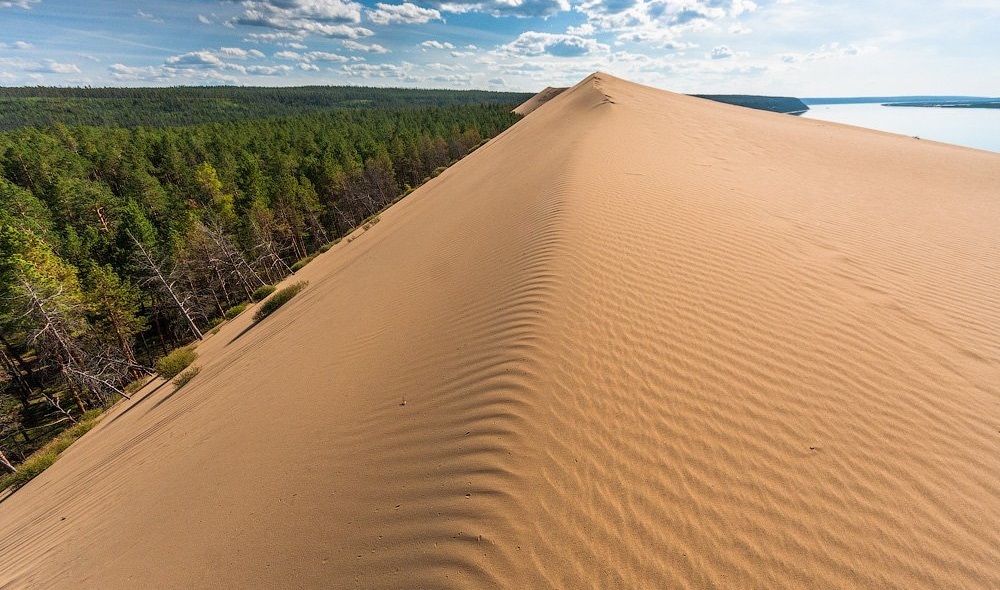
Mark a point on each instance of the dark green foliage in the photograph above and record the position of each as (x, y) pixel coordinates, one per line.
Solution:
(278, 299)
(262, 293)
(235, 310)
(162, 107)
(119, 244)
(171, 365)
(302, 263)
(776, 104)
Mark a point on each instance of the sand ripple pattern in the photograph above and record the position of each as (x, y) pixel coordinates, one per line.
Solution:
(640, 340)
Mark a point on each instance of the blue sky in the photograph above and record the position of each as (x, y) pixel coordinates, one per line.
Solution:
(795, 47)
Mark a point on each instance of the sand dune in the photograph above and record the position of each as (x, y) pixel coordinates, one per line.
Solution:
(644, 340)
(538, 100)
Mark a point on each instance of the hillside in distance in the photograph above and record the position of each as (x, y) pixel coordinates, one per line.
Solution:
(637, 340)
(775, 104)
(162, 107)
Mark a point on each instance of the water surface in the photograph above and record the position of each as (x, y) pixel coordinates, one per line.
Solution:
(976, 128)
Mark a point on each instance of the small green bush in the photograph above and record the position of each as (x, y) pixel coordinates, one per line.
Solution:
(182, 379)
(325, 248)
(262, 293)
(171, 365)
(235, 310)
(437, 171)
(278, 299)
(302, 263)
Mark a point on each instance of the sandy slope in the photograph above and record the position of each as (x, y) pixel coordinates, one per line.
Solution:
(644, 340)
(538, 100)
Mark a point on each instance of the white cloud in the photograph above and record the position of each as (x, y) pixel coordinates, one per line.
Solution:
(25, 4)
(377, 71)
(725, 52)
(433, 44)
(16, 45)
(268, 70)
(324, 56)
(739, 29)
(329, 18)
(282, 38)
(533, 43)
(50, 66)
(405, 13)
(515, 8)
(308, 67)
(829, 51)
(239, 52)
(146, 16)
(373, 48)
(288, 55)
(195, 59)
(204, 19)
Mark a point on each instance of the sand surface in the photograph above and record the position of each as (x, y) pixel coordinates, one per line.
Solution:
(538, 100)
(644, 341)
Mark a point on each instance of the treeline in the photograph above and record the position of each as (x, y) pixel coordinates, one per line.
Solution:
(775, 104)
(163, 107)
(117, 245)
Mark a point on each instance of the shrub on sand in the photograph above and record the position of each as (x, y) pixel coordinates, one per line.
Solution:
(186, 376)
(262, 293)
(171, 365)
(278, 299)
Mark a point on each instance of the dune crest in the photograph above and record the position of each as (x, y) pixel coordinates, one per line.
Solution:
(638, 340)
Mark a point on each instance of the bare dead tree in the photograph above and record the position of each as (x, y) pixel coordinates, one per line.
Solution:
(159, 278)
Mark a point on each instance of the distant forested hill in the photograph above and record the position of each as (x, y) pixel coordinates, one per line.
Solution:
(777, 104)
(165, 107)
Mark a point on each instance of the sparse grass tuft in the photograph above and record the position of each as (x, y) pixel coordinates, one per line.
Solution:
(302, 263)
(278, 299)
(262, 293)
(183, 379)
(235, 310)
(171, 365)
(41, 459)
(136, 385)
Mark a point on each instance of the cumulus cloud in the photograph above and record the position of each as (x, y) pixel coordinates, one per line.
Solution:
(432, 44)
(204, 19)
(721, 52)
(514, 8)
(533, 43)
(329, 18)
(377, 70)
(25, 4)
(635, 20)
(372, 48)
(324, 56)
(195, 59)
(16, 45)
(50, 66)
(830, 51)
(281, 38)
(405, 13)
(239, 53)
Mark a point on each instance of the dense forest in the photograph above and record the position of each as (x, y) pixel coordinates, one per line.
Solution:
(118, 245)
(161, 107)
(775, 104)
